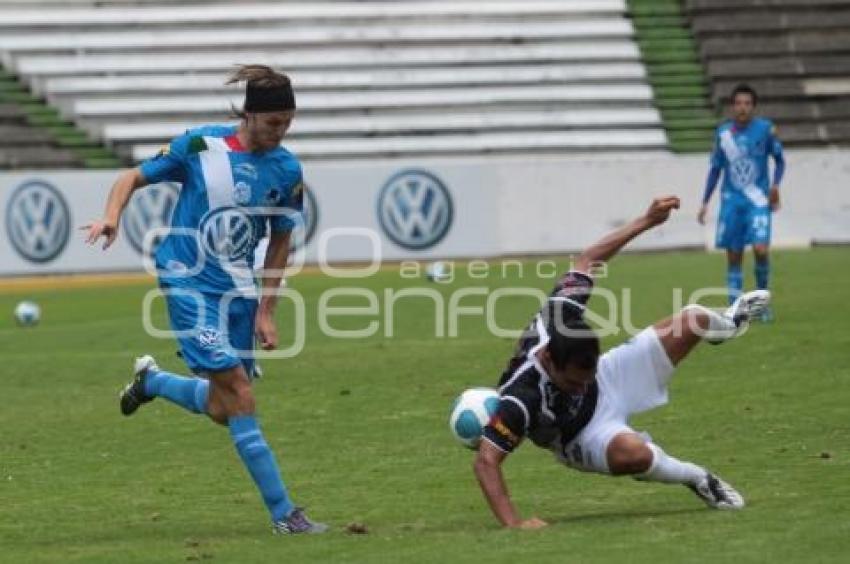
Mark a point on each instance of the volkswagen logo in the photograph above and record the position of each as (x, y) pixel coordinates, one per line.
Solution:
(744, 172)
(149, 209)
(415, 209)
(228, 233)
(38, 221)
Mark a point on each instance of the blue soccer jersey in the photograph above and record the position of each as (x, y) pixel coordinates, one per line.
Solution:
(229, 199)
(742, 154)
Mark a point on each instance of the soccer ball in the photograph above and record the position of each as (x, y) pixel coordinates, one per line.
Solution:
(27, 313)
(437, 271)
(470, 413)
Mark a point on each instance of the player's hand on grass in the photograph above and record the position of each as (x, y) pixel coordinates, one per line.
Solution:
(265, 330)
(105, 228)
(775, 203)
(660, 208)
(533, 523)
(701, 215)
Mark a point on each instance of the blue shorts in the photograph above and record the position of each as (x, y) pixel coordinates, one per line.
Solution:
(214, 335)
(741, 224)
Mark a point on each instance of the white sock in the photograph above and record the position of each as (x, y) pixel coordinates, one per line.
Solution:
(720, 327)
(670, 470)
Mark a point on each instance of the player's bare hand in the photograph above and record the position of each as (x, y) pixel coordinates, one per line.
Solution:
(660, 208)
(533, 523)
(101, 228)
(701, 215)
(775, 202)
(265, 330)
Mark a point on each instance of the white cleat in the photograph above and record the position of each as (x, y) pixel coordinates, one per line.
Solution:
(717, 494)
(748, 306)
(144, 364)
(735, 321)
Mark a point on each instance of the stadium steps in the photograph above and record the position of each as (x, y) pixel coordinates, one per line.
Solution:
(374, 78)
(35, 136)
(795, 53)
(677, 78)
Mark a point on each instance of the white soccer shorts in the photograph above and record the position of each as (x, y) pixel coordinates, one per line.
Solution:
(632, 378)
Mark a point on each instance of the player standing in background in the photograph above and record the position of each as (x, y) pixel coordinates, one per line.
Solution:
(742, 146)
(559, 392)
(236, 182)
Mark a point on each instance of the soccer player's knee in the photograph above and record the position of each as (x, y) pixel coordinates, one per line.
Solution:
(629, 455)
(230, 398)
(218, 415)
(241, 402)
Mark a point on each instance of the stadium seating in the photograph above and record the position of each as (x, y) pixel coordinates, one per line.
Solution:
(24, 146)
(372, 78)
(795, 53)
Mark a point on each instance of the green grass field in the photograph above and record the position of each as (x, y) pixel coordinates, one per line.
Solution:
(359, 427)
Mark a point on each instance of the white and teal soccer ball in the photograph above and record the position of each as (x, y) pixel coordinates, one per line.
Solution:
(470, 413)
(27, 313)
(437, 271)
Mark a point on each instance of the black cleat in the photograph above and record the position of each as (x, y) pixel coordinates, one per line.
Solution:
(133, 395)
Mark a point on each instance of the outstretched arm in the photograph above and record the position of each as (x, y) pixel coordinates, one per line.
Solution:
(609, 245)
(488, 470)
(107, 227)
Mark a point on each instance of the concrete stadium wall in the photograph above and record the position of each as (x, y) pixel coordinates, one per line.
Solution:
(498, 207)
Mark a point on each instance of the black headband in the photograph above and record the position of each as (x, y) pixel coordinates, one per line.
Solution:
(259, 99)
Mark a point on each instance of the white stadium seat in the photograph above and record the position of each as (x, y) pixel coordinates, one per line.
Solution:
(283, 37)
(370, 125)
(372, 78)
(347, 79)
(400, 57)
(291, 11)
(333, 101)
(454, 144)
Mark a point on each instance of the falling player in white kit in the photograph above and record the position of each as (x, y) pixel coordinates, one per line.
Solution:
(559, 392)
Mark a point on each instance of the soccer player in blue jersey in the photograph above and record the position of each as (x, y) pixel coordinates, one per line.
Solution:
(236, 182)
(742, 147)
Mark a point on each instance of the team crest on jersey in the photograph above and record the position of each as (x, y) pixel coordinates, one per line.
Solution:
(246, 170)
(242, 193)
(209, 337)
(163, 151)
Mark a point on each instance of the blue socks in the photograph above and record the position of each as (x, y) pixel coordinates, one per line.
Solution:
(734, 281)
(188, 393)
(260, 462)
(762, 274)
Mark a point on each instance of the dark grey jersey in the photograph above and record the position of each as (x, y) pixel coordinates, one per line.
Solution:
(531, 405)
